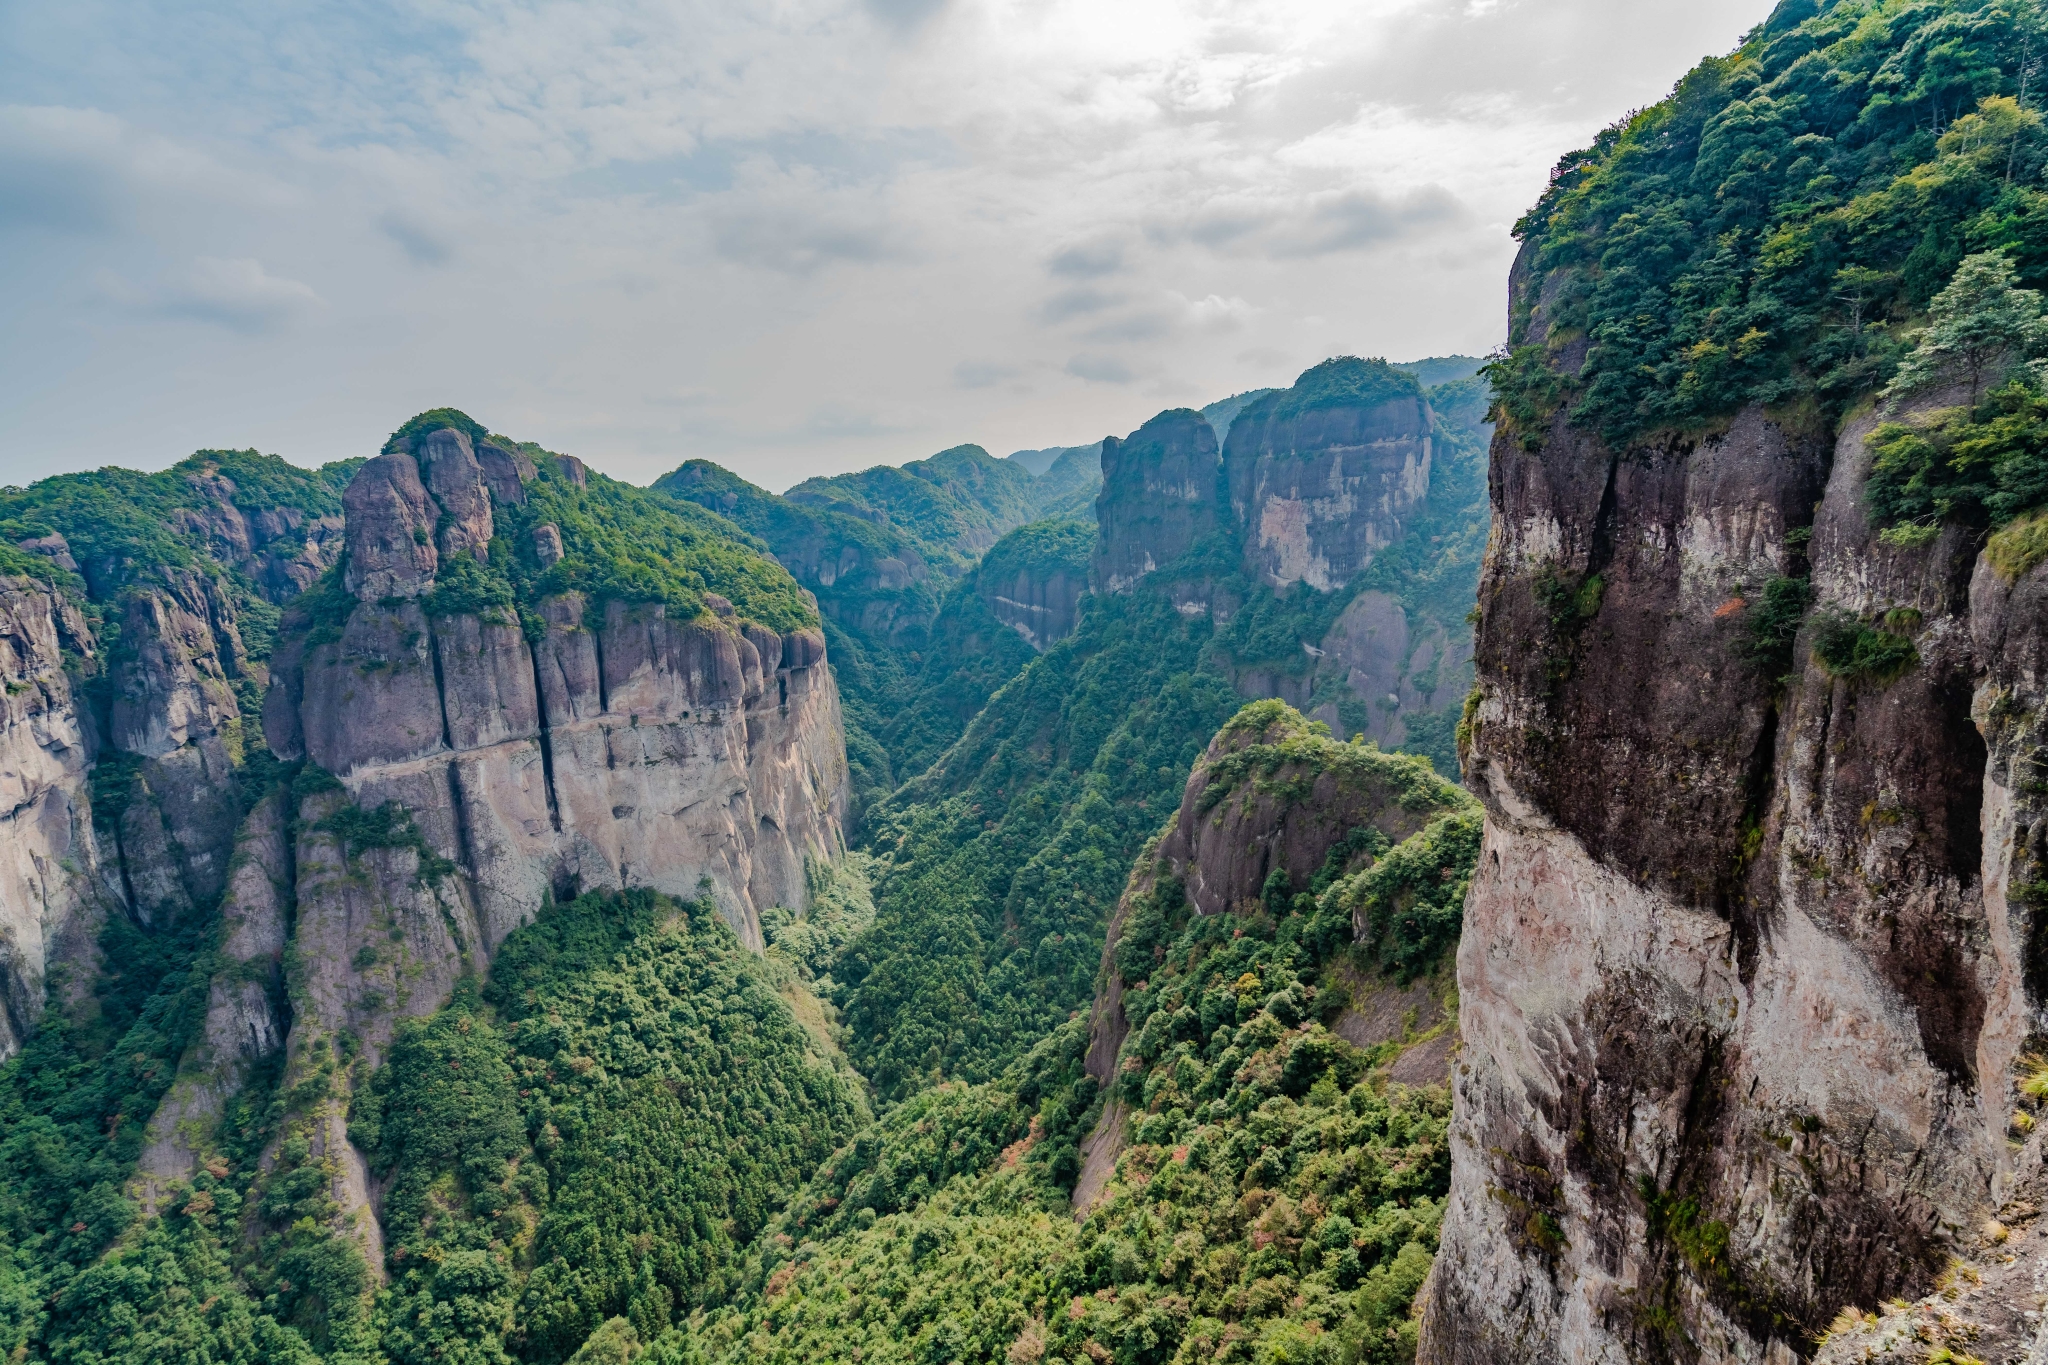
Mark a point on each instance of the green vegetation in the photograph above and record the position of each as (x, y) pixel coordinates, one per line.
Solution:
(1985, 461)
(1772, 622)
(126, 528)
(627, 544)
(1000, 865)
(971, 652)
(1768, 233)
(1280, 1200)
(433, 420)
(1848, 648)
(601, 1131)
(954, 504)
(1342, 382)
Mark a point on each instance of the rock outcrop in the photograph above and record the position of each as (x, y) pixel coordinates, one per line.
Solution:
(48, 855)
(459, 774)
(1270, 804)
(1748, 960)
(1311, 485)
(1034, 578)
(1161, 493)
(1322, 476)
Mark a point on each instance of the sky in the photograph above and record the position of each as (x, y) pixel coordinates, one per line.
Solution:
(796, 237)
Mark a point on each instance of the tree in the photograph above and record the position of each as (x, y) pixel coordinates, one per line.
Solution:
(1982, 322)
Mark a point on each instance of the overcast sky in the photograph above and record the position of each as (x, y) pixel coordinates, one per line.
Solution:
(795, 237)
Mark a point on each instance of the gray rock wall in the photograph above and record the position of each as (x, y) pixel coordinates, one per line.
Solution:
(1161, 493)
(476, 775)
(1743, 960)
(1318, 494)
(48, 857)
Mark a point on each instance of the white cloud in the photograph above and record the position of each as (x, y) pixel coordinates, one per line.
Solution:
(237, 294)
(848, 230)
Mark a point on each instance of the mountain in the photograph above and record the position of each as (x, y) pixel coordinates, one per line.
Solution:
(1252, 1117)
(1748, 986)
(500, 686)
(1038, 461)
(1442, 369)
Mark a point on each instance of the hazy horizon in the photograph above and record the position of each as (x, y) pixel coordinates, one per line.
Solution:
(797, 240)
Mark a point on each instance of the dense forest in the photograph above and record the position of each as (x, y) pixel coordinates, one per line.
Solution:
(1000, 1090)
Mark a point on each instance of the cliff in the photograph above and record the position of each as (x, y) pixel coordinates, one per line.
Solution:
(1332, 537)
(1749, 968)
(1321, 476)
(47, 890)
(488, 722)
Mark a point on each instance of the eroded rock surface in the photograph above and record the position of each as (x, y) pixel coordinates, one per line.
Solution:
(1161, 492)
(1320, 484)
(48, 856)
(1743, 975)
(464, 775)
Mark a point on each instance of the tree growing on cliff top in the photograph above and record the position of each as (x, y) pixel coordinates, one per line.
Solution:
(1982, 322)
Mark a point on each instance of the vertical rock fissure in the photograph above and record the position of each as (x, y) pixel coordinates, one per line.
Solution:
(604, 698)
(288, 895)
(547, 743)
(133, 910)
(1743, 903)
(440, 687)
(459, 811)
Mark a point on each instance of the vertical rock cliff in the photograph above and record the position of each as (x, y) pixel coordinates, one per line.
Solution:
(1331, 538)
(1750, 982)
(48, 856)
(1741, 983)
(465, 761)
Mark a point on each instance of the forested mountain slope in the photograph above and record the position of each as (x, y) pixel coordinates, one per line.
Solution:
(511, 679)
(999, 866)
(1750, 982)
(433, 934)
(1280, 1196)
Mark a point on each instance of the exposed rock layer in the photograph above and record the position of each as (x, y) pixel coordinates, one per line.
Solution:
(1742, 959)
(472, 773)
(47, 852)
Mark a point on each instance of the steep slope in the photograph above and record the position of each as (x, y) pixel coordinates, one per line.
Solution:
(519, 681)
(1339, 531)
(1279, 1195)
(1749, 958)
(1024, 596)
(999, 867)
(141, 613)
(958, 501)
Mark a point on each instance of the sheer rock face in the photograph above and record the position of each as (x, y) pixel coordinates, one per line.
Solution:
(1734, 947)
(481, 774)
(174, 709)
(1319, 493)
(245, 1014)
(390, 522)
(1041, 609)
(1161, 492)
(1229, 838)
(48, 859)
(281, 549)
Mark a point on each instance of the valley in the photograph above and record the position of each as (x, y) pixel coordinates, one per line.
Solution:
(1526, 859)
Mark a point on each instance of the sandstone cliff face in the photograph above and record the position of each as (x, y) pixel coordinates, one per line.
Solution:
(175, 713)
(464, 774)
(1744, 971)
(1042, 608)
(1311, 486)
(1322, 484)
(48, 856)
(1160, 495)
